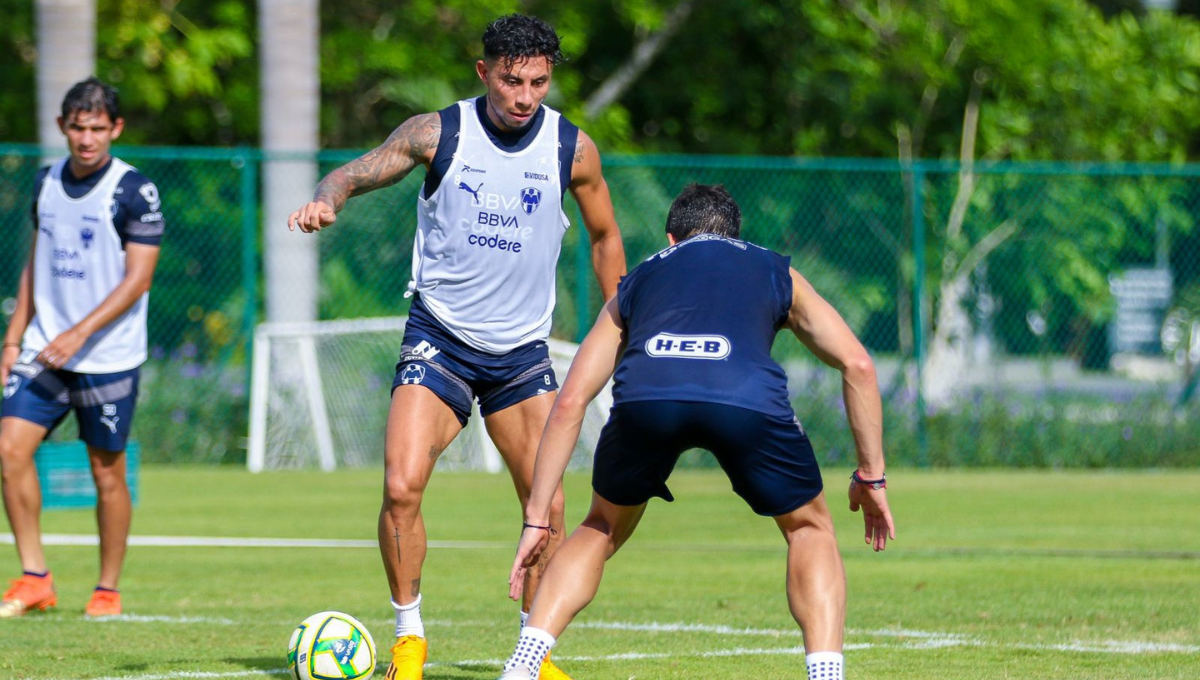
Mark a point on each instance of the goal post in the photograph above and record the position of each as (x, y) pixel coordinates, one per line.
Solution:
(320, 393)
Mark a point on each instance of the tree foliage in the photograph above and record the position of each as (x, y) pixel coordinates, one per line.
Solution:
(1063, 80)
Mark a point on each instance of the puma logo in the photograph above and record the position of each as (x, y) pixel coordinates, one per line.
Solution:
(110, 422)
(474, 192)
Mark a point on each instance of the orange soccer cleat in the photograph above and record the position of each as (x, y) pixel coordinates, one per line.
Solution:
(28, 593)
(408, 658)
(550, 671)
(104, 603)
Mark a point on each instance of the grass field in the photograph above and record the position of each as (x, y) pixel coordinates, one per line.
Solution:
(995, 574)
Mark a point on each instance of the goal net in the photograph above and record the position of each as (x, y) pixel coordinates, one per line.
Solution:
(320, 393)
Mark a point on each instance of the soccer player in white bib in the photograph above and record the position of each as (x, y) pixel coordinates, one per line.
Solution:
(687, 341)
(490, 223)
(77, 338)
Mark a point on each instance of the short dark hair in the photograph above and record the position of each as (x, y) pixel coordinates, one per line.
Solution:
(90, 95)
(704, 209)
(516, 36)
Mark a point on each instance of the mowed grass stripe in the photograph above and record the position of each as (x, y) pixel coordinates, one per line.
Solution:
(341, 544)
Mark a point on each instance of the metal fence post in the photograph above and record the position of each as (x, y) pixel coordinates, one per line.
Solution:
(918, 225)
(249, 196)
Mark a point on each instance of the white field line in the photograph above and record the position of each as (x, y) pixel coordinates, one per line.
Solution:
(372, 544)
(198, 675)
(238, 542)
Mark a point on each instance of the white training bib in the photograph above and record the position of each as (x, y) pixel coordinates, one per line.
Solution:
(77, 262)
(488, 238)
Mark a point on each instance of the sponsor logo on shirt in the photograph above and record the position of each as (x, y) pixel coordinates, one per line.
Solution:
(87, 235)
(538, 176)
(467, 168)
(674, 346)
(474, 192)
(152, 217)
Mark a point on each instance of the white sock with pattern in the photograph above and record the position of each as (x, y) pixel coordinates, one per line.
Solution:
(824, 666)
(408, 618)
(532, 648)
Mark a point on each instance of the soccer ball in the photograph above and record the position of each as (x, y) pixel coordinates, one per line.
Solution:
(331, 646)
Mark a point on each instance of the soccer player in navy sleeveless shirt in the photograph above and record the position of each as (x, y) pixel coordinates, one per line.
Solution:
(77, 337)
(489, 229)
(689, 336)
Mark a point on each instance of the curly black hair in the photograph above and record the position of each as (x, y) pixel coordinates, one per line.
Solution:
(516, 36)
(704, 209)
(91, 95)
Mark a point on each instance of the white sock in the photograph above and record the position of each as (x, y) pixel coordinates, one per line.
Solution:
(408, 619)
(824, 666)
(532, 648)
(524, 618)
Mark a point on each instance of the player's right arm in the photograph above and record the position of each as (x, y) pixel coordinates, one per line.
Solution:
(21, 316)
(591, 369)
(818, 325)
(413, 143)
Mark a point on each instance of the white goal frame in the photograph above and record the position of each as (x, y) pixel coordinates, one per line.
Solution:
(304, 336)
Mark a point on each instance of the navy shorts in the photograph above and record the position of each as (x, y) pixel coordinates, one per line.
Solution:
(768, 459)
(458, 374)
(103, 403)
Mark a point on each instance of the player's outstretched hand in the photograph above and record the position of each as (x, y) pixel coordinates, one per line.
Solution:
(529, 551)
(314, 216)
(876, 516)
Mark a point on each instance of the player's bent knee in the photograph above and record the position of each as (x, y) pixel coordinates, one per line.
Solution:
(400, 493)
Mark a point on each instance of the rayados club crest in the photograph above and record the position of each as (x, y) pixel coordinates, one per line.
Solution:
(531, 198)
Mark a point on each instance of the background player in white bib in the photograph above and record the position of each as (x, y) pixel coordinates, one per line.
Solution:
(78, 336)
(490, 224)
(689, 336)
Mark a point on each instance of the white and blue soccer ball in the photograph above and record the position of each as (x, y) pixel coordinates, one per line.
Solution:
(331, 646)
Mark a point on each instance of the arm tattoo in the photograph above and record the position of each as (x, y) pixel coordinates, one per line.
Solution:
(579, 152)
(408, 146)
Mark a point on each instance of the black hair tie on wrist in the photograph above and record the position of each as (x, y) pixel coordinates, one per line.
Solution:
(875, 484)
(527, 525)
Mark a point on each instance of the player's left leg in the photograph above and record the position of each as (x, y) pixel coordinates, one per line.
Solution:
(816, 585)
(571, 581)
(114, 512)
(104, 407)
(516, 431)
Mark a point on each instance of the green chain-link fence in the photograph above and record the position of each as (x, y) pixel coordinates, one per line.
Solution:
(1036, 314)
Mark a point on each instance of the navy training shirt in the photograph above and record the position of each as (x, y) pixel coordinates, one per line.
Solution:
(700, 318)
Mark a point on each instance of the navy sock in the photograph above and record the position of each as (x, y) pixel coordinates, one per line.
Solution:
(43, 574)
(107, 590)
